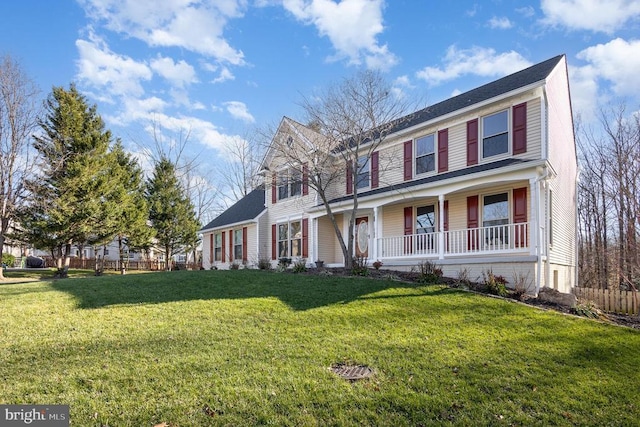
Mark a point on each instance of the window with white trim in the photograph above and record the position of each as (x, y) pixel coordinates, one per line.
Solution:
(237, 244)
(290, 239)
(495, 217)
(289, 183)
(495, 134)
(363, 172)
(217, 247)
(425, 154)
(425, 227)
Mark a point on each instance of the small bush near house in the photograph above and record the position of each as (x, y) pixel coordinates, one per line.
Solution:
(377, 264)
(300, 266)
(429, 272)
(284, 262)
(360, 267)
(462, 279)
(495, 284)
(264, 264)
(521, 283)
(234, 266)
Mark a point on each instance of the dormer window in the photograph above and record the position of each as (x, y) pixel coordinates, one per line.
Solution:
(495, 134)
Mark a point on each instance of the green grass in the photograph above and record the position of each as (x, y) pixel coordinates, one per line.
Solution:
(256, 348)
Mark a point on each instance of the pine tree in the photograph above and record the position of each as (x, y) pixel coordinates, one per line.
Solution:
(171, 213)
(67, 204)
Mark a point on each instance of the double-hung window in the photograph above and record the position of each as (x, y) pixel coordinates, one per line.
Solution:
(363, 172)
(495, 217)
(425, 154)
(495, 134)
(283, 185)
(425, 227)
(290, 239)
(217, 247)
(237, 244)
(295, 183)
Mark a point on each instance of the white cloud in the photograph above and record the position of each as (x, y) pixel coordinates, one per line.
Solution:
(501, 23)
(479, 61)
(178, 73)
(526, 11)
(352, 26)
(195, 26)
(116, 74)
(617, 61)
(594, 15)
(239, 111)
(225, 75)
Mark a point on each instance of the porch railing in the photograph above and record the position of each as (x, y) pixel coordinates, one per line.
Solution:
(482, 240)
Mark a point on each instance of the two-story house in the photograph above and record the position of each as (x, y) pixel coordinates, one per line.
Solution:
(484, 180)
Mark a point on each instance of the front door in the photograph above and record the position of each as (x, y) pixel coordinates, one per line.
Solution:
(362, 237)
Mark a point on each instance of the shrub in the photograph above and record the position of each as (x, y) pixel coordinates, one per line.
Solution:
(462, 279)
(521, 283)
(284, 262)
(429, 272)
(8, 260)
(264, 264)
(234, 266)
(377, 264)
(360, 267)
(300, 266)
(494, 283)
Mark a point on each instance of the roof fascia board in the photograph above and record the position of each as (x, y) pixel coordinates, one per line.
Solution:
(234, 224)
(468, 108)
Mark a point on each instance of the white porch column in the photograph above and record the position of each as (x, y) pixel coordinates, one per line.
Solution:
(534, 220)
(314, 234)
(441, 226)
(375, 233)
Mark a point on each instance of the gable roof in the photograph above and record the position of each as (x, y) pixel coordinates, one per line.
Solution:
(534, 74)
(246, 209)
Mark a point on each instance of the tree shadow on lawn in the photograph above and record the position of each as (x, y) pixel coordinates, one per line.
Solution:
(300, 292)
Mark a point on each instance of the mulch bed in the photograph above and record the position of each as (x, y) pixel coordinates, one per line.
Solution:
(414, 277)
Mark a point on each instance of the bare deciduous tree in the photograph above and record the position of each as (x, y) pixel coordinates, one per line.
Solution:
(19, 109)
(347, 123)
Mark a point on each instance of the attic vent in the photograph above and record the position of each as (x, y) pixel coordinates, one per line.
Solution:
(289, 141)
(351, 372)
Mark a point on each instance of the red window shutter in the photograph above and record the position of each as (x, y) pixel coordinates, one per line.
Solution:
(443, 150)
(305, 237)
(408, 229)
(408, 160)
(349, 171)
(274, 229)
(305, 179)
(244, 244)
(473, 235)
(446, 215)
(472, 142)
(273, 189)
(520, 215)
(374, 170)
(520, 128)
(224, 242)
(211, 249)
(231, 245)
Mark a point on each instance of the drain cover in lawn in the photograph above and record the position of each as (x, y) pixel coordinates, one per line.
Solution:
(352, 372)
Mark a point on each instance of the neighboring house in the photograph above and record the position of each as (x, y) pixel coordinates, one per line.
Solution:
(482, 181)
(235, 236)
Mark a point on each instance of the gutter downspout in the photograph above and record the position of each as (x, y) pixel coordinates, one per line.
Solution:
(577, 236)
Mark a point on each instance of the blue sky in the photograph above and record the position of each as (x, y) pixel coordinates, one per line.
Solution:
(219, 68)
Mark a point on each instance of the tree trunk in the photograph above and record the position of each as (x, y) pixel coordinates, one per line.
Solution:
(123, 269)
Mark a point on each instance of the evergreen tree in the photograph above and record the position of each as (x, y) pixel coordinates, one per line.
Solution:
(171, 212)
(67, 204)
(125, 209)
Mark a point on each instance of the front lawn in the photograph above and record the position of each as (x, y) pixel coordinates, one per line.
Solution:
(191, 348)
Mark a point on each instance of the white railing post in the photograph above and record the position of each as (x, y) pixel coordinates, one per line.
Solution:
(441, 240)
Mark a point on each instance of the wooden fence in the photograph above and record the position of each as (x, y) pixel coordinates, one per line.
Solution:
(90, 264)
(611, 300)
